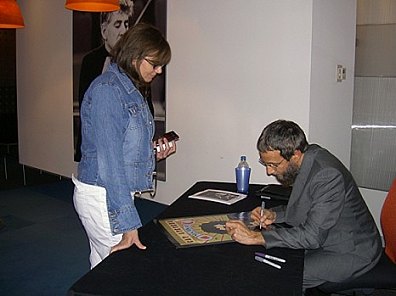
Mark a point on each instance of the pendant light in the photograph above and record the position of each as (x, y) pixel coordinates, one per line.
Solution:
(10, 15)
(93, 5)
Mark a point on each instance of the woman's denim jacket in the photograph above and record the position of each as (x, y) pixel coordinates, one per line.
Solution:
(117, 154)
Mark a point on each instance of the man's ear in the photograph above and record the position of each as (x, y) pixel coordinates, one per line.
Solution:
(297, 153)
(297, 156)
(103, 29)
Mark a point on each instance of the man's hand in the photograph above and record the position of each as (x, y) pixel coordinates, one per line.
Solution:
(128, 239)
(266, 219)
(240, 233)
(166, 148)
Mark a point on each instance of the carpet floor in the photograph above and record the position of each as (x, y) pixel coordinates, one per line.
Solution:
(43, 246)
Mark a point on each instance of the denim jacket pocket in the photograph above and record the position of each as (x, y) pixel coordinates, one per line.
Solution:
(135, 113)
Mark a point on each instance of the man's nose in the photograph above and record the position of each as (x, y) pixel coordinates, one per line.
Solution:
(123, 30)
(270, 170)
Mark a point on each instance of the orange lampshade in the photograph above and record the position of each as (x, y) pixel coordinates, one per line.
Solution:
(93, 5)
(10, 15)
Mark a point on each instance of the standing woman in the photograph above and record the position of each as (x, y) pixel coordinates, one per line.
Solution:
(118, 158)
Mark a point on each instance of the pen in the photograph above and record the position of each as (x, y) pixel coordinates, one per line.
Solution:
(262, 211)
(266, 197)
(258, 258)
(270, 257)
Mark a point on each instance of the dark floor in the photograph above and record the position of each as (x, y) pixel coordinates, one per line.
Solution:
(43, 247)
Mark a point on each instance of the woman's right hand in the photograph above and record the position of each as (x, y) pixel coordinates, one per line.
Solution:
(166, 148)
(266, 219)
(128, 239)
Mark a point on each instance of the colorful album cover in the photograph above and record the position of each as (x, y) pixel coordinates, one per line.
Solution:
(201, 230)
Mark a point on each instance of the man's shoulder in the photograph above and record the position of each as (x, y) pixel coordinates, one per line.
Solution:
(319, 161)
(317, 152)
(314, 148)
(96, 55)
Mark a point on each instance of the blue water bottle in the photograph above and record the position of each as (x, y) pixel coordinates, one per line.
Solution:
(242, 174)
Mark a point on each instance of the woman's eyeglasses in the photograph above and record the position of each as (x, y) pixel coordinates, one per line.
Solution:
(155, 66)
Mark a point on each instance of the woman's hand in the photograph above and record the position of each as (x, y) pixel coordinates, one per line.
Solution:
(266, 219)
(166, 148)
(240, 233)
(128, 239)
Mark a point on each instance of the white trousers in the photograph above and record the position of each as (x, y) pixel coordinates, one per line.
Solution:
(90, 204)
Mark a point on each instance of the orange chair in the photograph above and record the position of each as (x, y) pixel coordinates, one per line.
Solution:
(388, 223)
(383, 275)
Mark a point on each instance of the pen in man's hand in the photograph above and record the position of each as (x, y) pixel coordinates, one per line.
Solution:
(262, 211)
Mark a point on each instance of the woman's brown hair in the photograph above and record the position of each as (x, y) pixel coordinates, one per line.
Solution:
(139, 42)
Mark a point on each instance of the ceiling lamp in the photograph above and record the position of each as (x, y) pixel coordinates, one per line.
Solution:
(93, 5)
(10, 15)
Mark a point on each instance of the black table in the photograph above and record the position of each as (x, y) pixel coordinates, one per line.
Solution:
(229, 269)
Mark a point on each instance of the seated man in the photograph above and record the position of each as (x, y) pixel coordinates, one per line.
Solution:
(326, 212)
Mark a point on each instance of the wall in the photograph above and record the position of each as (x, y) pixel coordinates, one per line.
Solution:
(237, 65)
(44, 75)
(228, 78)
(333, 43)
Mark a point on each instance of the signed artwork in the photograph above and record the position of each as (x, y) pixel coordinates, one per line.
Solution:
(201, 230)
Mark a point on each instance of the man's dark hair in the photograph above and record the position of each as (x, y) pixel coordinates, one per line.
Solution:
(285, 136)
(105, 16)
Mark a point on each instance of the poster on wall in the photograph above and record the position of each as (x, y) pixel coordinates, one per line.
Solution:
(94, 34)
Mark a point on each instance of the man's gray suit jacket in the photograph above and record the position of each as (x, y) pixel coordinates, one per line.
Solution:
(329, 219)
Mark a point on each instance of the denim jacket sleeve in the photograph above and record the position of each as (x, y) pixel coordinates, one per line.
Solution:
(108, 117)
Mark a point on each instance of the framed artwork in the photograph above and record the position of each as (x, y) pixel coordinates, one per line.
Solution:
(94, 34)
(206, 230)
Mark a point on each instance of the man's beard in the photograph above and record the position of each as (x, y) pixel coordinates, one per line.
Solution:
(289, 176)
